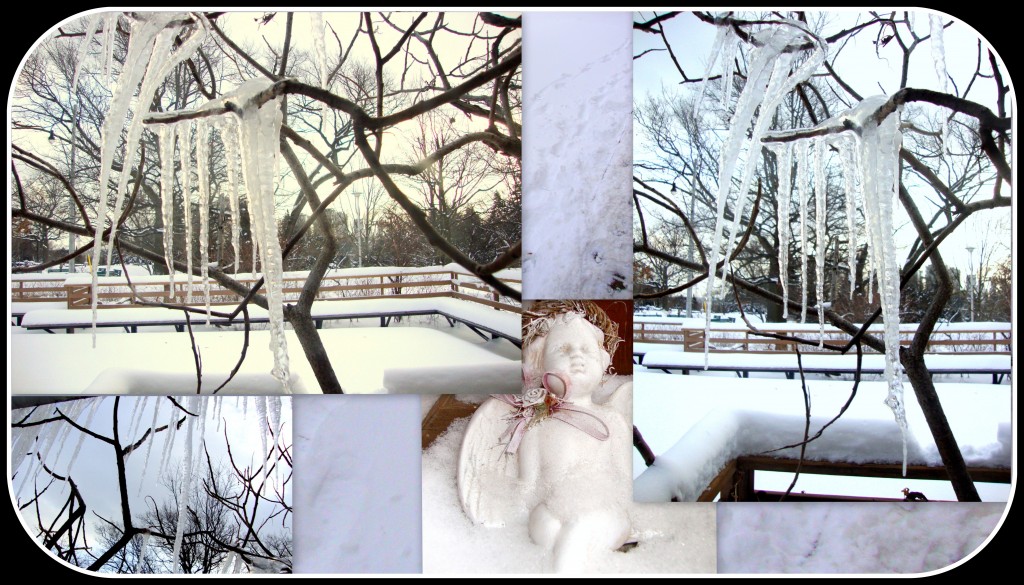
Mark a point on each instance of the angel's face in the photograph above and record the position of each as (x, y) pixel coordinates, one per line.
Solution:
(571, 349)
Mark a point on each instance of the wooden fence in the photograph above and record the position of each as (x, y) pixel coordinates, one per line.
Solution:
(950, 337)
(116, 292)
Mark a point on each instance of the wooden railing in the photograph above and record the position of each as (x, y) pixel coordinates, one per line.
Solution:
(38, 290)
(947, 338)
(735, 482)
(115, 292)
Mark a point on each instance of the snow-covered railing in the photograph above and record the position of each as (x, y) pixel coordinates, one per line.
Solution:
(735, 483)
(35, 289)
(991, 337)
(367, 283)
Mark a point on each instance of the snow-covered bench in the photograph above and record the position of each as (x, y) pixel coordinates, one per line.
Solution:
(998, 365)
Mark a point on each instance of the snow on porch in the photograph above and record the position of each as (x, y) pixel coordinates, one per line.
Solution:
(163, 362)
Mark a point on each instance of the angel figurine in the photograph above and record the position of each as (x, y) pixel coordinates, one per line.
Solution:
(559, 454)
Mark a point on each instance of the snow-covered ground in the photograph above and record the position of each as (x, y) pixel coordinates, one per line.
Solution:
(357, 484)
(162, 362)
(673, 538)
(577, 140)
(858, 538)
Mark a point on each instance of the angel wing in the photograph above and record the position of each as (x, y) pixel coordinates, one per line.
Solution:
(617, 392)
(486, 475)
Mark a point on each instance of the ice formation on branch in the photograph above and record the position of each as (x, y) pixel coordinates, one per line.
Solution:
(876, 160)
(149, 59)
(260, 126)
(770, 77)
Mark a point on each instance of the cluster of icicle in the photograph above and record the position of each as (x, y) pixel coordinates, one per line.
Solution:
(869, 158)
(250, 138)
(46, 444)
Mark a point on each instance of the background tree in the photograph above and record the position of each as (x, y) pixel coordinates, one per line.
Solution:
(348, 114)
(241, 511)
(937, 193)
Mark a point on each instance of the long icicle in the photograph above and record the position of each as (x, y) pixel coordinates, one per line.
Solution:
(847, 153)
(202, 172)
(140, 45)
(802, 179)
(161, 62)
(185, 153)
(784, 197)
(820, 246)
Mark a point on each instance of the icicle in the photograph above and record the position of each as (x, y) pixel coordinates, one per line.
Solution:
(768, 80)
(939, 59)
(721, 34)
(161, 47)
(161, 62)
(217, 406)
(185, 153)
(185, 487)
(773, 94)
(261, 412)
(83, 50)
(152, 439)
(274, 410)
(317, 24)
(93, 407)
(202, 170)
(202, 404)
(802, 180)
(785, 169)
(72, 410)
(847, 154)
(172, 430)
(47, 437)
(141, 556)
(109, 31)
(167, 134)
(136, 415)
(229, 134)
(879, 147)
(728, 67)
(139, 46)
(261, 129)
(820, 210)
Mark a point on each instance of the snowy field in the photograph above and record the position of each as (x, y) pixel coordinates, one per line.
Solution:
(443, 359)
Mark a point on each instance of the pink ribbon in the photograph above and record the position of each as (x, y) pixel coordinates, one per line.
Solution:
(537, 404)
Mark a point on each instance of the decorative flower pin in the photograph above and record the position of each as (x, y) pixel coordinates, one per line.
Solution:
(552, 400)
